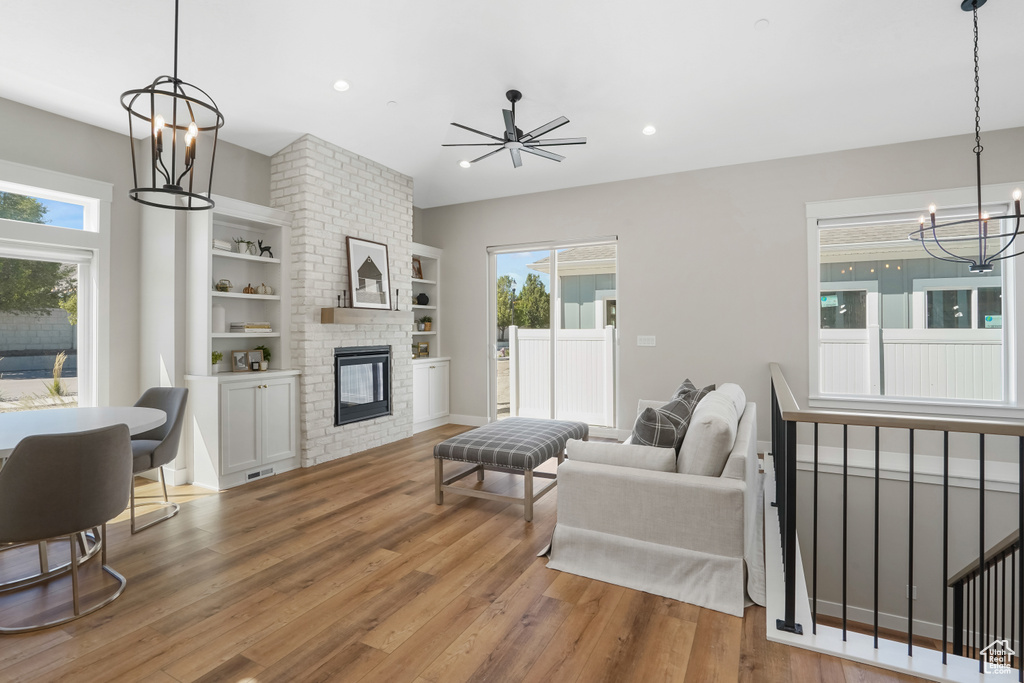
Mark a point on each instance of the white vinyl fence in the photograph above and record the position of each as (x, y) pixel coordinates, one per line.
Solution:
(584, 377)
(965, 364)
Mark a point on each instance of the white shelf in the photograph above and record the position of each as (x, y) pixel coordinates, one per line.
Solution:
(424, 282)
(240, 295)
(426, 308)
(239, 335)
(416, 334)
(243, 257)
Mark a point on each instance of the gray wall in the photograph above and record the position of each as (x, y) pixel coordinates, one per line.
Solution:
(37, 138)
(712, 262)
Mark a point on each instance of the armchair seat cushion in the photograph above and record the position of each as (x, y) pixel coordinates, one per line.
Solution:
(142, 455)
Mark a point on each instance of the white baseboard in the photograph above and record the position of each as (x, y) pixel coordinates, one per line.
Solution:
(468, 420)
(423, 426)
(895, 622)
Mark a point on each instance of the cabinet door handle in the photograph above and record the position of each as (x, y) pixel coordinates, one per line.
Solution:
(433, 367)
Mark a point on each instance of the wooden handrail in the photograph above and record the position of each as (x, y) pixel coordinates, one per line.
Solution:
(791, 412)
(971, 569)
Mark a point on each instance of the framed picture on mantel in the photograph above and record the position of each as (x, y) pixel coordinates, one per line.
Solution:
(368, 274)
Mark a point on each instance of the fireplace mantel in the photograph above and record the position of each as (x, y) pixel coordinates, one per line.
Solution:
(362, 316)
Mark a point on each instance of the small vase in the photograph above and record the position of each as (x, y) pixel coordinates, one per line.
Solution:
(264, 365)
(214, 369)
(427, 326)
(420, 327)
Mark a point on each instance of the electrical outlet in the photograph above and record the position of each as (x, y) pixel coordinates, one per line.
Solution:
(645, 340)
(915, 592)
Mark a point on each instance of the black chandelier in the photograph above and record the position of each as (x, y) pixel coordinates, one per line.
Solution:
(988, 253)
(170, 107)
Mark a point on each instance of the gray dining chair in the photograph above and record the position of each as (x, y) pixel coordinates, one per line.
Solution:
(58, 486)
(159, 446)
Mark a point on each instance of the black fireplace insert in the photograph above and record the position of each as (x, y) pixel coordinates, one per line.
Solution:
(362, 383)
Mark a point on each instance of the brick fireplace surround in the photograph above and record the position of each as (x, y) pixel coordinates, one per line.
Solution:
(331, 194)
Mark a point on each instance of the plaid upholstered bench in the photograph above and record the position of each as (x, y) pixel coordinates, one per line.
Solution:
(516, 445)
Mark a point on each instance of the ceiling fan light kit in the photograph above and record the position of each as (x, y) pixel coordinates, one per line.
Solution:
(184, 113)
(988, 243)
(517, 142)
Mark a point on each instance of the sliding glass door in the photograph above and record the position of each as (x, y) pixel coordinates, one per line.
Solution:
(553, 332)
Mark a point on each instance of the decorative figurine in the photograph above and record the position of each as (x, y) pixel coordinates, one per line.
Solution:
(264, 249)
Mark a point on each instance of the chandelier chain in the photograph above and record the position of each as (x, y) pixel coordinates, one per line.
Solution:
(977, 90)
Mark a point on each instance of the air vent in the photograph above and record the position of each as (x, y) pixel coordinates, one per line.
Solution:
(257, 475)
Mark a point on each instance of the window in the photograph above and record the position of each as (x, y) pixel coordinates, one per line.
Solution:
(54, 246)
(892, 324)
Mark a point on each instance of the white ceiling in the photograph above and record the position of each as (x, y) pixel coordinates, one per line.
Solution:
(825, 75)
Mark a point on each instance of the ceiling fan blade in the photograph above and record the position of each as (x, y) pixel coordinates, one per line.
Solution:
(510, 124)
(478, 132)
(546, 128)
(553, 142)
(472, 144)
(543, 153)
(517, 159)
(486, 155)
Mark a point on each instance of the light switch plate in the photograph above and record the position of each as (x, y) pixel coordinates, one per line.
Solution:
(645, 340)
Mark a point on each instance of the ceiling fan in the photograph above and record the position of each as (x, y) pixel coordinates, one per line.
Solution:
(515, 141)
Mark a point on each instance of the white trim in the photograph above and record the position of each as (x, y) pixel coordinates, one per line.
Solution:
(554, 244)
(424, 425)
(895, 466)
(56, 243)
(955, 202)
(468, 420)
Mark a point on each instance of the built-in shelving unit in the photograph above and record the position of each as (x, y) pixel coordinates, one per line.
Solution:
(429, 284)
(229, 220)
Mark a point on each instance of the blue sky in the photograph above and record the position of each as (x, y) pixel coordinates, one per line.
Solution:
(63, 214)
(515, 265)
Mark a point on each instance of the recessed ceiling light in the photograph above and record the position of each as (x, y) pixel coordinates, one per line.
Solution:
(761, 25)
(650, 130)
(341, 86)
(392, 104)
(465, 164)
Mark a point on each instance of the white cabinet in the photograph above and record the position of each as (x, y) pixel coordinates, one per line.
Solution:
(429, 393)
(242, 426)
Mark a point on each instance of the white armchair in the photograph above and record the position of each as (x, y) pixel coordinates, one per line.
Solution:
(626, 516)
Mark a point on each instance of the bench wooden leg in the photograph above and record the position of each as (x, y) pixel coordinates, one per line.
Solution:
(480, 473)
(528, 495)
(561, 457)
(438, 478)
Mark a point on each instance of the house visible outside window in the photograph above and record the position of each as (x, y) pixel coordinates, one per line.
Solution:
(893, 324)
(54, 242)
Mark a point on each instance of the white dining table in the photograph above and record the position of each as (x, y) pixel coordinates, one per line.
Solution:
(17, 425)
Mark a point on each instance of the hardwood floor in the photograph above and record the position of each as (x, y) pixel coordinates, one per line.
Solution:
(350, 572)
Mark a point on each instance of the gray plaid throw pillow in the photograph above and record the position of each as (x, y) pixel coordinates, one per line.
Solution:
(658, 428)
(682, 407)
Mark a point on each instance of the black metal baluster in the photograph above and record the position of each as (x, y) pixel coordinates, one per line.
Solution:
(910, 555)
(1013, 601)
(845, 467)
(877, 466)
(814, 561)
(1020, 549)
(787, 507)
(970, 620)
(945, 545)
(1002, 594)
(981, 542)
(958, 620)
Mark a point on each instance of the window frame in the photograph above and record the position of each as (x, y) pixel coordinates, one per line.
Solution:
(88, 247)
(906, 207)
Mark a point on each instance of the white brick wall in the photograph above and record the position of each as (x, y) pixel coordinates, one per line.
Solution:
(332, 194)
(49, 331)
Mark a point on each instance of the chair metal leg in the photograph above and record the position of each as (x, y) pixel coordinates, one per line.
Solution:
(76, 560)
(74, 574)
(173, 507)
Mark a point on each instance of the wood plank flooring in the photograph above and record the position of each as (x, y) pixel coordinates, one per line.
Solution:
(350, 572)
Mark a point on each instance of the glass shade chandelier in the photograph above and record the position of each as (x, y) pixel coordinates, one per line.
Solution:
(183, 121)
(940, 240)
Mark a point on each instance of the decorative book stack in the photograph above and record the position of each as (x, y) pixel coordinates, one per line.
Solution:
(223, 245)
(250, 328)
